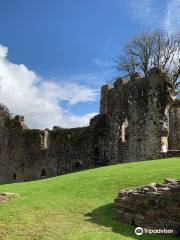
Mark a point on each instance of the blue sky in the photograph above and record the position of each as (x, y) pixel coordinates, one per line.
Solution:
(69, 44)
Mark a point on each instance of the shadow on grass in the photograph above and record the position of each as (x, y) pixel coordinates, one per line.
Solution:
(104, 216)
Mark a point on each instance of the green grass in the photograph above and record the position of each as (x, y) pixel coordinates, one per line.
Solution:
(78, 206)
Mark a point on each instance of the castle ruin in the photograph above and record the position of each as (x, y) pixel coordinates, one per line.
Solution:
(137, 118)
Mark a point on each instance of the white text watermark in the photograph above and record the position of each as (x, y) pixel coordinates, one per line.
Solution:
(140, 231)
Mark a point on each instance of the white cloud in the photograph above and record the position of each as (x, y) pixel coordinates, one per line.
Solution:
(143, 11)
(155, 15)
(3, 51)
(141, 8)
(39, 100)
(172, 17)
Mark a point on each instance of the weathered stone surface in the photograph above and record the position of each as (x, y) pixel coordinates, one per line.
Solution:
(174, 126)
(132, 124)
(5, 196)
(145, 208)
(144, 105)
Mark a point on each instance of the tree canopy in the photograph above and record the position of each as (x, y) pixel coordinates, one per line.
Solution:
(151, 49)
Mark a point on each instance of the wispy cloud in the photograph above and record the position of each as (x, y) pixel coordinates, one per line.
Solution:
(38, 99)
(172, 17)
(93, 79)
(102, 63)
(141, 8)
(142, 11)
(155, 14)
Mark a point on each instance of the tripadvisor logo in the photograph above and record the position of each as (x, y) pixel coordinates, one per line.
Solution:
(139, 231)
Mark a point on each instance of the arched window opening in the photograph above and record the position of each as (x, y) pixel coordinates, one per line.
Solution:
(78, 165)
(124, 133)
(164, 144)
(43, 173)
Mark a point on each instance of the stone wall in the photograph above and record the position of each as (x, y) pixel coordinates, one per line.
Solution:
(155, 206)
(174, 126)
(143, 106)
(134, 116)
(29, 154)
(23, 152)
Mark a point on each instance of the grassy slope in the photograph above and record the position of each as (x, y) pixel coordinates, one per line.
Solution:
(78, 205)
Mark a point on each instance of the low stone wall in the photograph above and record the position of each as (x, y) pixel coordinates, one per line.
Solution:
(155, 206)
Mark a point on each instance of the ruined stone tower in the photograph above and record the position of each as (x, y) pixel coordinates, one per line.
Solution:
(138, 112)
(134, 117)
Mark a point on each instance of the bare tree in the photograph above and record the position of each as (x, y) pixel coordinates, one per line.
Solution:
(148, 50)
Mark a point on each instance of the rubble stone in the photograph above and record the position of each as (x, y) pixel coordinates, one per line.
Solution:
(155, 210)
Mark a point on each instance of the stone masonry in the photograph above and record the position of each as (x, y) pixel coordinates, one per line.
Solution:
(134, 117)
(155, 206)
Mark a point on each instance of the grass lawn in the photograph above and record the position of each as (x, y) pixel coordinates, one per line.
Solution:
(78, 206)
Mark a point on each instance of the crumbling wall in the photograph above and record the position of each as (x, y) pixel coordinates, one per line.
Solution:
(28, 154)
(23, 152)
(143, 103)
(133, 117)
(174, 126)
(70, 149)
(152, 206)
(100, 126)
